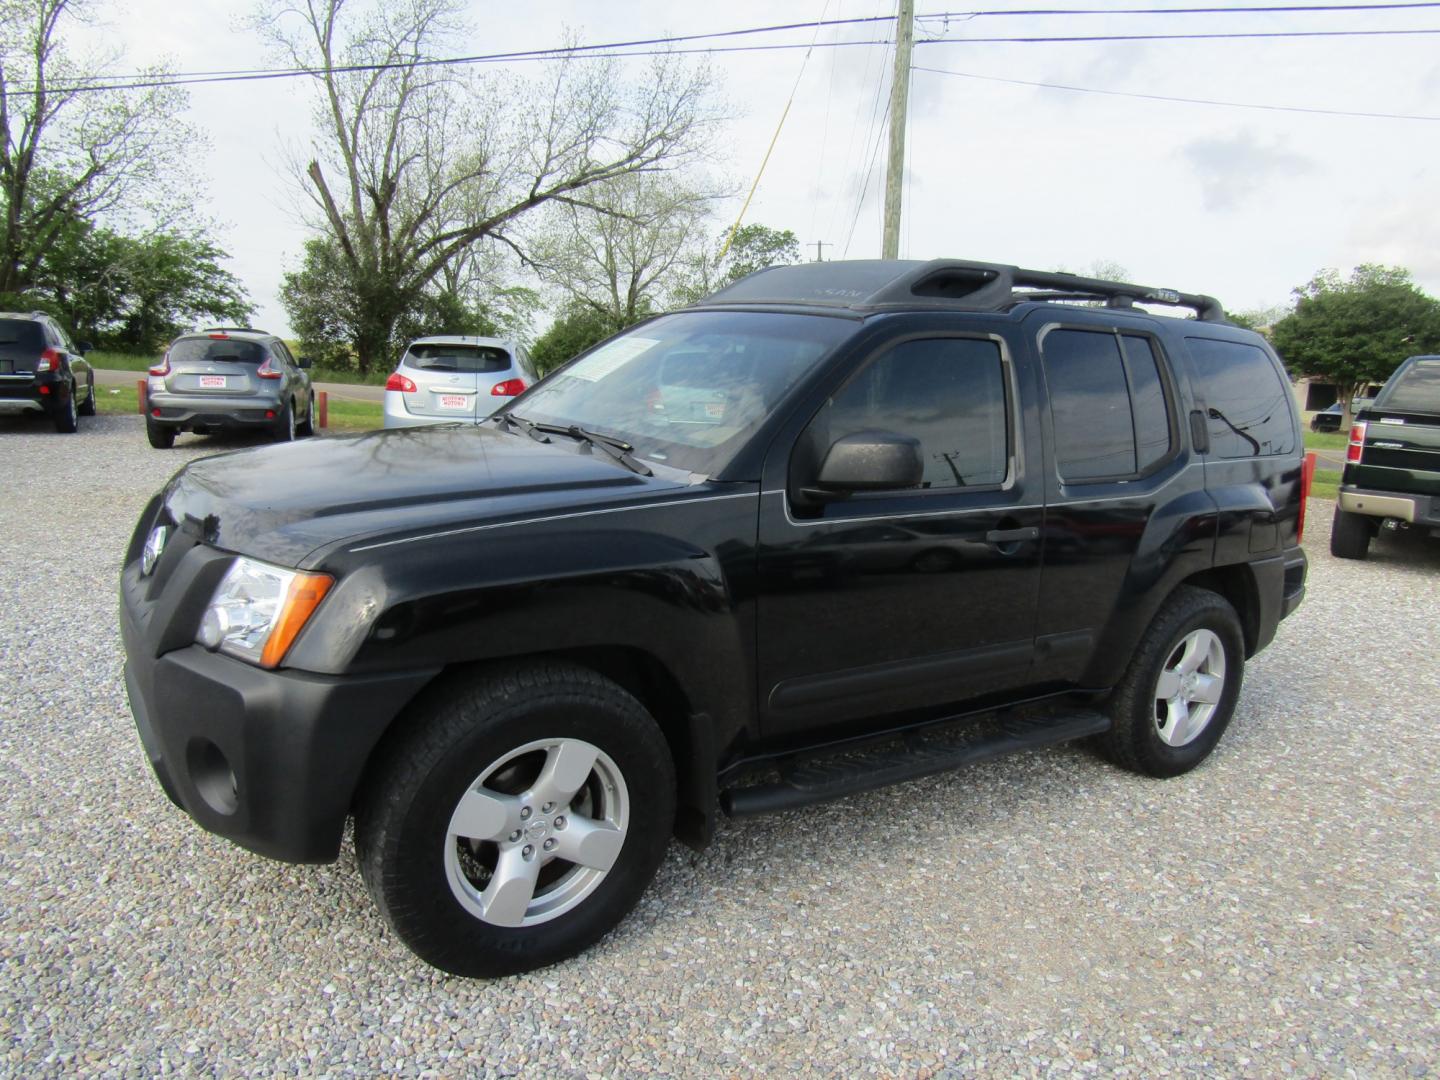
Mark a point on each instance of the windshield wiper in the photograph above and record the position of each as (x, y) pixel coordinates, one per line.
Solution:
(527, 426)
(618, 449)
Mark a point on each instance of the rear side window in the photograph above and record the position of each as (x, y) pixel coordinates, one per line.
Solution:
(947, 392)
(217, 350)
(1108, 404)
(21, 334)
(463, 358)
(1417, 389)
(1246, 401)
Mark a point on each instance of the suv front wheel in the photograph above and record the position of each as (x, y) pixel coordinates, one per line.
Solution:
(1177, 696)
(517, 819)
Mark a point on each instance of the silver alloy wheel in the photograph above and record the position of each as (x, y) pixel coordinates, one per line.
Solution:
(74, 410)
(1190, 686)
(536, 832)
(290, 423)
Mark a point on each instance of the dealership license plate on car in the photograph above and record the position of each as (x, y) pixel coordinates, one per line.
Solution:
(454, 401)
(208, 381)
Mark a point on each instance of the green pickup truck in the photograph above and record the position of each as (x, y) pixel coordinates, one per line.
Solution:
(1392, 466)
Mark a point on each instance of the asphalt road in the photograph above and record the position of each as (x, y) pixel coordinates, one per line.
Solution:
(353, 391)
(1274, 913)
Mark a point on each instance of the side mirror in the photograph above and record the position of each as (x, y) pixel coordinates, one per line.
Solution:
(868, 461)
(84, 347)
(305, 363)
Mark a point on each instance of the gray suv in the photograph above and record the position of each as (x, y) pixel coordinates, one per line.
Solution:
(229, 377)
(449, 379)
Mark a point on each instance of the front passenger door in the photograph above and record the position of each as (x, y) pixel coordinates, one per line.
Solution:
(890, 600)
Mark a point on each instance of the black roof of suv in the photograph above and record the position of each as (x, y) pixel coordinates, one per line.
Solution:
(834, 527)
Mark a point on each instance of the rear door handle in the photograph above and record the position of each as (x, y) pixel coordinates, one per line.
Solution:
(1011, 536)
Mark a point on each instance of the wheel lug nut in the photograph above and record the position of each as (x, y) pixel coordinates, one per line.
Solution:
(549, 845)
(547, 808)
(524, 812)
(528, 850)
(515, 836)
(559, 823)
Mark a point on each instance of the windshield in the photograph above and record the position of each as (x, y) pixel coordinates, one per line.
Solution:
(1417, 390)
(686, 390)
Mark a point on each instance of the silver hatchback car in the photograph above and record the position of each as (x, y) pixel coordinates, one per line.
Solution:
(229, 377)
(449, 379)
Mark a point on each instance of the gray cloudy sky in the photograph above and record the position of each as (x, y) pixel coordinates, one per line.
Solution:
(1241, 203)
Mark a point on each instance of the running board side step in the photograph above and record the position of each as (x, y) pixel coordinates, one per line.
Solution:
(907, 757)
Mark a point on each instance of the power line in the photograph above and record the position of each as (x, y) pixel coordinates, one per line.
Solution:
(640, 47)
(1182, 100)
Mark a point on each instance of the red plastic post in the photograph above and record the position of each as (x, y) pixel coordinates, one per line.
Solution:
(140, 385)
(324, 409)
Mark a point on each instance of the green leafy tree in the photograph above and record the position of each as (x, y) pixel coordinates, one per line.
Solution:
(1357, 330)
(754, 247)
(578, 327)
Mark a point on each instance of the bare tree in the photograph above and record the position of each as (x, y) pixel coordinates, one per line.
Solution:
(67, 150)
(421, 160)
(623, 255)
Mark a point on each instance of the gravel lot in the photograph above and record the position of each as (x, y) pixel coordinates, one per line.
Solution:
(1275, 913)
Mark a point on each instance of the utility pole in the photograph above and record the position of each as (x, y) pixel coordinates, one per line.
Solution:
(899, 103)
(820, 255)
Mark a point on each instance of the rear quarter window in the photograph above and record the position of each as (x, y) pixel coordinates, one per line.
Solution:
(1247, 403)
(1416, 389)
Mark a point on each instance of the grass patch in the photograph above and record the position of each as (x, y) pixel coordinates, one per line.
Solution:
(343, 415)
(115, 361)
(1326, 440)
(1326, 484)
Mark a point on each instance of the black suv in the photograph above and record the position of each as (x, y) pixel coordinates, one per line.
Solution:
(1392, 465)
(834, 527)
(43, 371)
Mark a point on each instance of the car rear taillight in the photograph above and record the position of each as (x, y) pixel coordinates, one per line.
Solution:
(1357, 444)
(162, 368)
(508, 388)
(1307, 476)
(400, 382)
(267, 370)
(50, 360)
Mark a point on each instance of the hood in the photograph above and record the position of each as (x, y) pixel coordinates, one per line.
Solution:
(281, 503)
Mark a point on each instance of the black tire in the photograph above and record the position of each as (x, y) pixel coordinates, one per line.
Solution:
(161, 436)
(306, 428)
(1350, 535)
(1135, 740)
(88, 407)
(66, 414)
(285, 423)
(409, 858)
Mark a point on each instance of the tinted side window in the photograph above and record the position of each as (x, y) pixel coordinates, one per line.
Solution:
(1147, 396)
(947, 392)
(1090, 405)
(1245, 399)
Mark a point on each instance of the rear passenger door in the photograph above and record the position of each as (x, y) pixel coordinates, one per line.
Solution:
(1120, 494)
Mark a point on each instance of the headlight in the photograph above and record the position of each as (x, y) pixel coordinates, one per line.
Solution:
(258, 610)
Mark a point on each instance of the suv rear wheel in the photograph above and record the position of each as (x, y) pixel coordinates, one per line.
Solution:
(1177, 696)
(161, 436)
(307, 428)
(88, 406)
(67, 416)
(285, 423)
(517, 819)
(1350, 535)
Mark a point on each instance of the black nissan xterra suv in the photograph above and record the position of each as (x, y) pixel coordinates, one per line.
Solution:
(1392, 465)
(834, 527)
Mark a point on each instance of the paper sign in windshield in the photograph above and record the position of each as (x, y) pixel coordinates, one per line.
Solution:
(610, 358)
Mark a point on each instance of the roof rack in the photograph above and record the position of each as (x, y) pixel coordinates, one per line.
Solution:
(875, 285)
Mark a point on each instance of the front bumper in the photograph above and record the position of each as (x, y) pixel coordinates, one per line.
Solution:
(1415, 509)
(268, 759)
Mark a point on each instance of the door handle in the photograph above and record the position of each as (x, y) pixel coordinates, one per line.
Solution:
(1012, 536)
